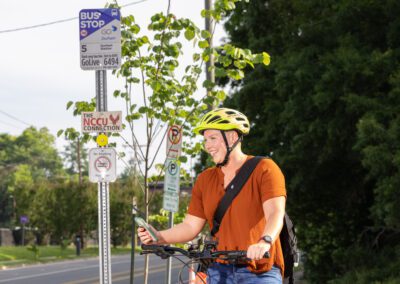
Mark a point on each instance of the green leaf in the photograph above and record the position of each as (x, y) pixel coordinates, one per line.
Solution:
(116, 93)
(69, 104)
(60, 132)
(235, 74)
(240, 64)
(230, 5)
(156, 86)
(189, 34)
(132, 108)
(220, 72)
(183, 159)
(145, 39)
(205, 34)
(196, 57)
(208, 84)
(203, 44)
(221, 95)
(266, 58)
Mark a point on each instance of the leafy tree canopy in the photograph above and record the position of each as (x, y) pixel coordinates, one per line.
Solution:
(328, 111)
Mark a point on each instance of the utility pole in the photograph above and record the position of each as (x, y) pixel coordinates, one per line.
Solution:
(210, 74)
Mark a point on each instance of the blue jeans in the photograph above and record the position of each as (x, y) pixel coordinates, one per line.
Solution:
(219, 273)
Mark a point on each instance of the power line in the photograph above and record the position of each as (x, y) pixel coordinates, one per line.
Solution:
(9, 124)
(15, 118)
(59, 21)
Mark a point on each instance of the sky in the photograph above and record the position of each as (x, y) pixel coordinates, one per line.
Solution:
(40, 67)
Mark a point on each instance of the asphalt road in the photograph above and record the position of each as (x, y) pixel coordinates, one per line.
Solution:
(85, 271)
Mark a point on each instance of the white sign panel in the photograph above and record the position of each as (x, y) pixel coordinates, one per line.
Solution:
(100, 39)
(107, 121)
(171, 186)
(174, 141)
(102, 165)
(171, 201)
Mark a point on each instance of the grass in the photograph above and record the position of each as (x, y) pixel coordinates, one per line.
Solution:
(15, 256)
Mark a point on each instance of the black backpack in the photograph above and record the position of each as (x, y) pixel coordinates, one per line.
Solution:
(290, 252)
(287, 236)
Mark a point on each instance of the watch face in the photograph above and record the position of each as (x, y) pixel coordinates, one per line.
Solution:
(267, 239)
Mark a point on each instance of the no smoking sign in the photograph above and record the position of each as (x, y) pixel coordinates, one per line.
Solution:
(102, 165)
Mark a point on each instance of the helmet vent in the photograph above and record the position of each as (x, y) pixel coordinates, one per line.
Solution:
(240, 119)
(223, 122)
(206, 117)
(230, 112)
(214, 118)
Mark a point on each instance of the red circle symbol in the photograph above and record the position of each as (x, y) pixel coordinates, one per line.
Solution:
(174, 134)
(102, 164)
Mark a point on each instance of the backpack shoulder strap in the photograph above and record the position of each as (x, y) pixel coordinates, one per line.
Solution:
(232, 190)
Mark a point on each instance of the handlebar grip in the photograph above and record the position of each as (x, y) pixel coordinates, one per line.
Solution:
(163, 249)
(152, 247)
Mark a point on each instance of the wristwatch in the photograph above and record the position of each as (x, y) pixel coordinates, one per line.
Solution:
(266, 239)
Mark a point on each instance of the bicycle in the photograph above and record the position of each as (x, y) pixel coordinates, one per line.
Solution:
(198, 254)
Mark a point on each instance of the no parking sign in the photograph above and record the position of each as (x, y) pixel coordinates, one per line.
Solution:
(174, 141)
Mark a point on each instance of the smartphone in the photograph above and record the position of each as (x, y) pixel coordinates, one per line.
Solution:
(142, 223)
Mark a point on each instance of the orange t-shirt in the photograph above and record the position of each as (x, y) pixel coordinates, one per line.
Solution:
(243, 223)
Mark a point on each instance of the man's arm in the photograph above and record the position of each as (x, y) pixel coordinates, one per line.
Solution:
(274, 212)
(183, 232)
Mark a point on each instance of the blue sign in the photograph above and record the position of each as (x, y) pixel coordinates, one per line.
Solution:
(100, 38)
(92, 20)
(23, 219)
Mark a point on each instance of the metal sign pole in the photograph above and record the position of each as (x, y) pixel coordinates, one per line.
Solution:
(169, 262)
(171, 180)
(93, 25)
(103, 193)
(133, 241)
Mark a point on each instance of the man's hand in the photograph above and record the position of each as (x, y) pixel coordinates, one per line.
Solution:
(145, 237)
(257, 251)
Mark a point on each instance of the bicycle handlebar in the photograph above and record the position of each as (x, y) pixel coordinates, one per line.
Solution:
(167, 251)
(204, 256)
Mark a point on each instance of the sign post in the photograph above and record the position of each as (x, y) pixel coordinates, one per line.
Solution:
(172, 179)
(23, 219)
(100, 49)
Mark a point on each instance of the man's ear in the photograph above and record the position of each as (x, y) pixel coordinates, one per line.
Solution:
(233, 136)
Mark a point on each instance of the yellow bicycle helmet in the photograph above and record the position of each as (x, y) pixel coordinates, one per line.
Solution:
(223, 119)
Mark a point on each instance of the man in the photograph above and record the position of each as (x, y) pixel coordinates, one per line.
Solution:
(254, 219)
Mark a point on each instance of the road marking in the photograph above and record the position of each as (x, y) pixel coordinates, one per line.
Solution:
(124, 275)
(53, 272)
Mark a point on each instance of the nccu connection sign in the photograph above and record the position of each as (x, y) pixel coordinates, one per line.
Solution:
(108, 121)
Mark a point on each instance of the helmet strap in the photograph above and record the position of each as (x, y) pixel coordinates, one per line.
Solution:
(228, 149)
